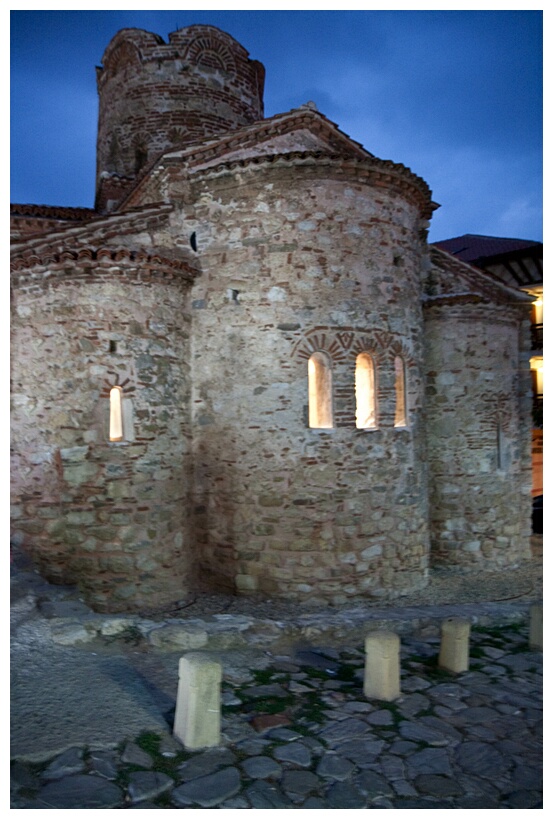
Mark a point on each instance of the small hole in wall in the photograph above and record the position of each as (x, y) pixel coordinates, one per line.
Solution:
(193, 243)
(112, 346)
(233, 295)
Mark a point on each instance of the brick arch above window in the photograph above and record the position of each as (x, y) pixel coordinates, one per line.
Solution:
(210, 52)
(343, 344)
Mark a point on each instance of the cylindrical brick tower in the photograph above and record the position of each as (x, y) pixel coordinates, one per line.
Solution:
(156, 96)
(310, 262)
(103, 502)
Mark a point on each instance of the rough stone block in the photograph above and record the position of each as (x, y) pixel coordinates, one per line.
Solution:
(198, 712)
(454, 647)
(382, 666)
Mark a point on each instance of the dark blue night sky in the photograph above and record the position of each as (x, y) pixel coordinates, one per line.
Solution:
(454, 95)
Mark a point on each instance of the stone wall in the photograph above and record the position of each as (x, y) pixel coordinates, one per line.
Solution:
(298, 258)
(110, 516)
(478, 422)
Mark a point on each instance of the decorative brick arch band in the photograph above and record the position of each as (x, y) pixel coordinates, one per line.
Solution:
(343, 344)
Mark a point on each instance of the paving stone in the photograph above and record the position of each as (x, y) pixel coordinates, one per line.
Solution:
(346, 729)
(522, 799)
(206, 763)
(300, 782)
(441, 691)
(437, 785)
(142, 806)
(148, 784)
(494, 670)
(476, 803)
(315, 802)
(208, 791)
(235, 803)
(134, 755)
(441, 726)
(265, 795)
(264, 722)
(421, 733)
(313, 659)
(517, 662)
(480, 732)
(253, 747)
(70, 762)
(64, 608)
(295, 753)
(477, 716)
(481, 758)
(383, 717)
(344, 795)
(284, 734)
(422, 804)
(527, 777)
(357, 707)
(492, 652)
(360, 751)
(414, 683)
(333, 766)
(392, 767)
(403, 788)
(261, 767)
(104, 763)
(403, 747)
(429, 760)
(80, 791)
(372, 784)
(229, 698)
(298, 688)
(264, 691)
(413, 704)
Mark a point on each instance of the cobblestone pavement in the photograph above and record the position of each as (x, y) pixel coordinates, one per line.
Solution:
(297, 732)
(93, 701)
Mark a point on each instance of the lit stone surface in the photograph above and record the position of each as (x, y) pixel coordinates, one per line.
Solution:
(382, 666)
(454, 647)
(198, 711)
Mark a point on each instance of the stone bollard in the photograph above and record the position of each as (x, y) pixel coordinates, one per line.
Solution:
(536, 626)
(454, 648)
(382, 666)
(198, 712)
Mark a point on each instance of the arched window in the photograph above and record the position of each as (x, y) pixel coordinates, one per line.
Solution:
(115, 414)
(401, 393)
(365, 392)
(320, 391)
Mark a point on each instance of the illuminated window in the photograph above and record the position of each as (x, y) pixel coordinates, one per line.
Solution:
(400, 419)
(115, 414)
(538, 310)
(320, 392)
(536, 365)
(365, 392)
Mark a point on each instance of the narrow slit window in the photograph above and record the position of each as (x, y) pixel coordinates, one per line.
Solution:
(365, 392)
(401, 393)
(115, 414)
(320, 392)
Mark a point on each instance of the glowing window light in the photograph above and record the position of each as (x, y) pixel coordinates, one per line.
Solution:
(115, 414)
(400, 419)
(365, 392)
(538, 310)
(320, 392)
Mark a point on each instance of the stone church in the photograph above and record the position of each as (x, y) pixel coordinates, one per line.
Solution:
(245, 369)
